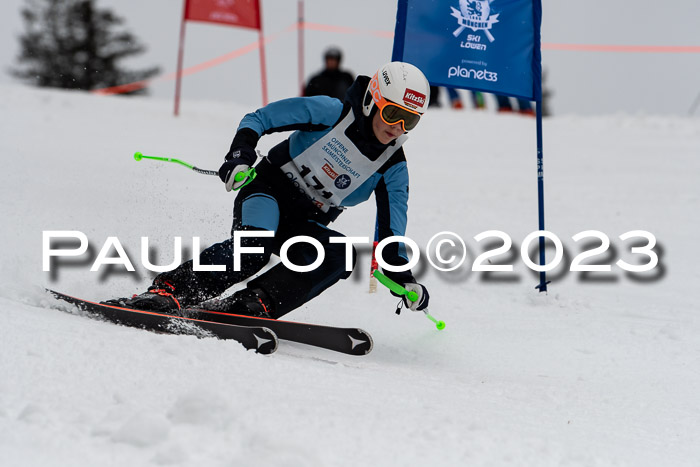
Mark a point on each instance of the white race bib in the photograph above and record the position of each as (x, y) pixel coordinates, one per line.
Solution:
(332, 168)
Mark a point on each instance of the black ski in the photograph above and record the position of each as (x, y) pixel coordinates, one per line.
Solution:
(254, 336)
(352, 341)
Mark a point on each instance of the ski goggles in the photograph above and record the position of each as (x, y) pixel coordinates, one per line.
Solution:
(390, 112)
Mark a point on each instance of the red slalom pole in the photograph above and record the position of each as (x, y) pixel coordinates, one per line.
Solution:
(263, 71)
(300, 37)
(180, 56)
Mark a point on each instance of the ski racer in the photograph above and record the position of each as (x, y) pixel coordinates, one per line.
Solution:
(339, 154)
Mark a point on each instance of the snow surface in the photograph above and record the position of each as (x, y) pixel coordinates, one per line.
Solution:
(603, 370)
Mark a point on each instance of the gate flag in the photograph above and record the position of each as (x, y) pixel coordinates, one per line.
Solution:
(243, 13)
(484, 45)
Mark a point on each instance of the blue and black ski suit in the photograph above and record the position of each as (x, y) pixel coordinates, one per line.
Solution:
(279, 200)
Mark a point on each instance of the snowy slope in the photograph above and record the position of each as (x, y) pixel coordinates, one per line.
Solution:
(603, 370)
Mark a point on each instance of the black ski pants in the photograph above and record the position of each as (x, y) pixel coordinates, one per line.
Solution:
(271, 203)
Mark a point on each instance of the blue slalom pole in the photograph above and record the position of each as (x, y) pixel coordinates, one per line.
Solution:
(542, 286)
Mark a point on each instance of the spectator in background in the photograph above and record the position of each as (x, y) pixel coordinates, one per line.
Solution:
(455, 101)
(504, 105)
(331, 81)
(453, 96)
(478, 100)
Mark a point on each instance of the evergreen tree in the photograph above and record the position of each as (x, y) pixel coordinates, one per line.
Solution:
(72, 44)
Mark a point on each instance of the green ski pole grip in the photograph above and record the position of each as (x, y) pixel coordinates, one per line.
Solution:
(240, 176)
(394, 287)
(412, 296)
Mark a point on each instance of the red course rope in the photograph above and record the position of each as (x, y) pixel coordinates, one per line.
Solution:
(124, 88)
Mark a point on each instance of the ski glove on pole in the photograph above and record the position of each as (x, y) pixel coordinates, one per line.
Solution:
(423, 296)
(237, 161)
(240, 156)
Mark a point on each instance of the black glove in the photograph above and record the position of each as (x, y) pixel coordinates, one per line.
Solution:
(237, 161)
(239, 158)
(423, 296)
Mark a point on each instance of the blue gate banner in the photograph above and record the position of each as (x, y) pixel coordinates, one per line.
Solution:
(483, 45)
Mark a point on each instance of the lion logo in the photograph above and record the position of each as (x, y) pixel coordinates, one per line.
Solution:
(475, 15)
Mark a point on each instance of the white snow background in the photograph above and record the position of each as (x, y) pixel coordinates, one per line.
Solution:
(602, 370)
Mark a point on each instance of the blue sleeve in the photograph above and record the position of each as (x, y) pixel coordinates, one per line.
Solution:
(396, 181)
(297, 113)
(392, 217)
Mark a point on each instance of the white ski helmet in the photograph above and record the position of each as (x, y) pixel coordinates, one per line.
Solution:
(401, 85)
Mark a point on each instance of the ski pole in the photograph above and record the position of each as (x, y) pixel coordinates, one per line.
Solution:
(240, 176)
(412, 296)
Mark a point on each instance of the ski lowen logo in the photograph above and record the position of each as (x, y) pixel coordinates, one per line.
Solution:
(475, 15)
(341, 181)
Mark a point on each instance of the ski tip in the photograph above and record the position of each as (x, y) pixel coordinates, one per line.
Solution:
(52, 292)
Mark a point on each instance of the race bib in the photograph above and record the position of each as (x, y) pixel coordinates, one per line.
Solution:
(332, 168)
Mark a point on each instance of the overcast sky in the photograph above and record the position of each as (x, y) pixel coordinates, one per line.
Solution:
(582, 82)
